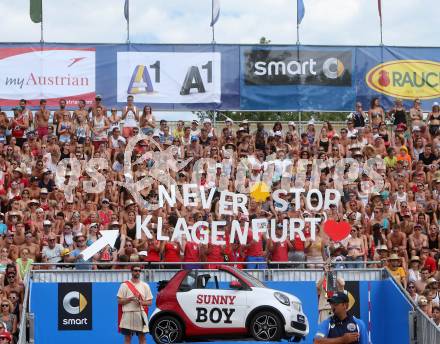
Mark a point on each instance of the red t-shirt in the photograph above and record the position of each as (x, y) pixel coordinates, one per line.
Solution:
(298, 244)
(192, 252)
(430, 264)
(172, 252)
(214, 253)
(280, 251)
(255, 248)
(153, 254)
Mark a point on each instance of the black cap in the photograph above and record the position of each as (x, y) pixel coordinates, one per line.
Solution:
(338, 297)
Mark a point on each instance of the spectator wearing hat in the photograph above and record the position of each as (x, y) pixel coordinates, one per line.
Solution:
(427, 293)
(396, 269)
(5, 336)
(195, 130)
(341, 325)
(414, 270)
(423, 304)
(76, 255)
(432, 286)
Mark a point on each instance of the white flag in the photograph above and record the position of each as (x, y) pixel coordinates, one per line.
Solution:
(215, 11)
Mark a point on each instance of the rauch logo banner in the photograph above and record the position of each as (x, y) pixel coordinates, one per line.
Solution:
(407, 79)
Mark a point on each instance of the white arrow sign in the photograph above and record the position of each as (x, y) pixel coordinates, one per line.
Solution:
(108, 238)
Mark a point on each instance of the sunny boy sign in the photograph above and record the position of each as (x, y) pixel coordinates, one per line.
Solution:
(406, 79)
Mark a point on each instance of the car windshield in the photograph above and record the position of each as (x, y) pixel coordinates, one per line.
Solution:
(254, 281)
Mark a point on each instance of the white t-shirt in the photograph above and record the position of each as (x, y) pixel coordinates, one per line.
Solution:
(53, 255)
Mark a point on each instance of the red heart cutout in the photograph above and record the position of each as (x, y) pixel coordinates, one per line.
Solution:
(337, 231)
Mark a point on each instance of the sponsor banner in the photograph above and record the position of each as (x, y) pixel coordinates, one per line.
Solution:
(221, 77)
(405, 73)
(287, 67)
(49, 73)
(163, 77)
(297, 78)
(74, 306)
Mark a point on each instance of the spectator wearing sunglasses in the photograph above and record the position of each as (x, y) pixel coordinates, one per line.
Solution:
(7, 317)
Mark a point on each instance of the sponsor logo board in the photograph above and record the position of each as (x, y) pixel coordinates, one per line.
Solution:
(74, 306)
(51, 74)
(160, 77)
(292, 67)
(407, 79)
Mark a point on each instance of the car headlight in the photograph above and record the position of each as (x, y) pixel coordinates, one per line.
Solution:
(282, 298)
(296, 306)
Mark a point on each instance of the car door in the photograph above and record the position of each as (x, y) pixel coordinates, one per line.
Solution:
(210, 303)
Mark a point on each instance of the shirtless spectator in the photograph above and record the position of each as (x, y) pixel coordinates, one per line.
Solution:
(59, 114)
(42, 120)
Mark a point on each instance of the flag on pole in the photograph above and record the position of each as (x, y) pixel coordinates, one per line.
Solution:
(379, 7)
(36, 11)
(127, 10)
(300, 11)
(215, 11)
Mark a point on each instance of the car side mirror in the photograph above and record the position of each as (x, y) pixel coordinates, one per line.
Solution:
(235, 285)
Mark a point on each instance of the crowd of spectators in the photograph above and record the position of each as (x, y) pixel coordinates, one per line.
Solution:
(398, 227)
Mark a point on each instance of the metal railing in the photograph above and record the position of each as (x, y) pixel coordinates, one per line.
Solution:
(422, 329)
(23, 326)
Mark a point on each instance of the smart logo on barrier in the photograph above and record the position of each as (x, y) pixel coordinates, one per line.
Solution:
(74, 306)
(280, 67)
(407, 79)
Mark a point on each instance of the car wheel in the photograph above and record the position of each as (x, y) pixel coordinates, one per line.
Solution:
(266, 326)
(167, 329)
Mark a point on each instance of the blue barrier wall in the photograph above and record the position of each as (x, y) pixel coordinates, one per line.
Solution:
(389, 310)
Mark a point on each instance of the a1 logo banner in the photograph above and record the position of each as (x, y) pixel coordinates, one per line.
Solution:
(162, 77)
